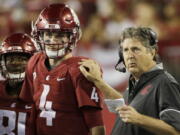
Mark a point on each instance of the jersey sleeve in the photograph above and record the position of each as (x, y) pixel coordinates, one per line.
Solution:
(169, 103)
(87, 93)
(26, 93)
(93, 117)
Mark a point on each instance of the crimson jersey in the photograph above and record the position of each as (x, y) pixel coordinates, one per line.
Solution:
(60, 95)
(16, 117)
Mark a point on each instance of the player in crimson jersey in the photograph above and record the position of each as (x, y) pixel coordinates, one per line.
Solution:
(16, 117)
(66, 102)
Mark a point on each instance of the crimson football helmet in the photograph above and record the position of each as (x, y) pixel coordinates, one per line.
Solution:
(19, 44)
(61, 19)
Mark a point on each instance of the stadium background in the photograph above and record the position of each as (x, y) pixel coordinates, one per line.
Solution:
(102, 22)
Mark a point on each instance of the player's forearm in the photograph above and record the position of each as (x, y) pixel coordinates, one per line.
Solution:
(107, 90)
(99, 130)
(157, 126)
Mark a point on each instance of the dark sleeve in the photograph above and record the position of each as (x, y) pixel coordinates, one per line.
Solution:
(169, 103)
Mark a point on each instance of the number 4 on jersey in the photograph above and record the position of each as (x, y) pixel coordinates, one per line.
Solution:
(46, 106)
(94, 95)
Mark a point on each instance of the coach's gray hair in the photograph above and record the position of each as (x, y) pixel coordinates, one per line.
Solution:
(145, 35)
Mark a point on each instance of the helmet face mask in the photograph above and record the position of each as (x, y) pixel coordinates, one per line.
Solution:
(56, 44)
(13, 66)
(16, 62)
(15, 53)
(61, 20)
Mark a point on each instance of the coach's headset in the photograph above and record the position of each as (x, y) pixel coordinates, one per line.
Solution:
(147, 33)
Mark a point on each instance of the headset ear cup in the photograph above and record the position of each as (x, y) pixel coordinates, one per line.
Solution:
(153, 37)
(120, 66)
(149, 34)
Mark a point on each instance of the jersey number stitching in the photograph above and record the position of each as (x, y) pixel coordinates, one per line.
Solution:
(46, 106)
(11, 115)
(94, 95)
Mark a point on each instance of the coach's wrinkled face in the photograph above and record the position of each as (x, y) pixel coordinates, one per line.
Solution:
(138, 58)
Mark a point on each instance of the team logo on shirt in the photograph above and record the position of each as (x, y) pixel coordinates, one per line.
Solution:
(47, 78)
(28, 107)
(13, 105)
(145, 90)
(60, 79)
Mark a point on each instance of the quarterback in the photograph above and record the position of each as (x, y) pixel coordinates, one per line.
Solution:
(66, 102)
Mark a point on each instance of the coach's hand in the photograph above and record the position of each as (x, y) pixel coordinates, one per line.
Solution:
(129, 115)
(90, 69)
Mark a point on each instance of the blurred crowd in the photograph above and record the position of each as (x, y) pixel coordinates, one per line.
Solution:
(102, 22)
